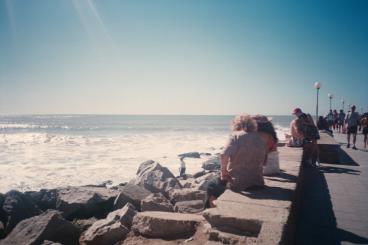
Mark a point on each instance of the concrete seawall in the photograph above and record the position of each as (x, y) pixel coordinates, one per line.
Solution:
(267, 216)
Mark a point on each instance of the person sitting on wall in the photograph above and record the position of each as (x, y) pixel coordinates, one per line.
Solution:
(307, 128)
(241, 161)
(267, 132)
(322, 125)
(296, 138)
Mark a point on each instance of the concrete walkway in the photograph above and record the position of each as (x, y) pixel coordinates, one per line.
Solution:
(334, 203)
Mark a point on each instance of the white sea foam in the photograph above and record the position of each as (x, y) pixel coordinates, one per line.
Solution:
(42, 160)
(21, 126)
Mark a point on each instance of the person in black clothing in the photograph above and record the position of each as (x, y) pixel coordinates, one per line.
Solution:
(307, 128)
(322, 124)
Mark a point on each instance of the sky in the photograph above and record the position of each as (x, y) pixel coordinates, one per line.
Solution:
(206, 57)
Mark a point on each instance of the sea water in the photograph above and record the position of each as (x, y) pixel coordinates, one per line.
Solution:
(47, 151)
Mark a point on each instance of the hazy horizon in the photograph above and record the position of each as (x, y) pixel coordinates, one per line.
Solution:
(181, 57)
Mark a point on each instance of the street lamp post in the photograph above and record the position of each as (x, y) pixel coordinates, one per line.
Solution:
(330, 96)
(317, 86)
(343, 103)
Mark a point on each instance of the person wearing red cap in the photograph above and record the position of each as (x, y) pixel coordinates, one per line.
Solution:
(306, 127)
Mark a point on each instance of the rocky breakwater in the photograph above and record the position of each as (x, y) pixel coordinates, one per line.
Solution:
(153, 208)
(97, 214)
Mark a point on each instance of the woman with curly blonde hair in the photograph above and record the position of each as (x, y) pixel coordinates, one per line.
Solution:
(241, 161)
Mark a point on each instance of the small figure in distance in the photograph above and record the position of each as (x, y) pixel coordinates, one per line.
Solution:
(336, 120)
(241, 161)
(323, 125)
(307, 128)
(182, 168)
(352, 120)
(330, 119)
(341, 121)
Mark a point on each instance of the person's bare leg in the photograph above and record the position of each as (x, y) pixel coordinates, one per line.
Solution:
(365, 141)
(354, 139)
(348, 140)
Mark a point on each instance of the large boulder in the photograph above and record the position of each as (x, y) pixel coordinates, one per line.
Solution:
(187, 194)
(212, 164)
(191, 207)
(155, 178)
(17, 207)
(110, 230)
(85, 202)
(131, 193)
(165, 225)
(44, 199)
(50, 225)
(156, 202)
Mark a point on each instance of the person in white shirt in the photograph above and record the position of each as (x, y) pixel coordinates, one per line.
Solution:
(352, 120)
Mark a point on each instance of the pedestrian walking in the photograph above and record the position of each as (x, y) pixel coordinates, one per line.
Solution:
(352, 121)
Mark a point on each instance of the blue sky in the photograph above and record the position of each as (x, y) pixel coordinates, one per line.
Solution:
(181, 57)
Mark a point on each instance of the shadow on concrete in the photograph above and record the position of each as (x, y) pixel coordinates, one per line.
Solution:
(345, 159)
(283, 177)
(351, 237)
(316, 223)
(338, 170)
(269, 192)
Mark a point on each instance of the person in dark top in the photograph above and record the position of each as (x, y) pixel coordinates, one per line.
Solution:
(341, 120)
(307, 128)
(322, 124)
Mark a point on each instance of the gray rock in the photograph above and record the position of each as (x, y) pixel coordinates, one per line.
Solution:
(17, 207)
(187, 183)
(187, 194)
(47, 226)
(119, 186)
(156, 202)
(102, 184)
(155, 178)
(190, 155)
(44, 199)
(199, 174)
(201, 183)
(84, 224)
(110, 230)
(232, 221)
(165, 225)
(191, 207)
(131, 193)
(85, 202)
(212, 164)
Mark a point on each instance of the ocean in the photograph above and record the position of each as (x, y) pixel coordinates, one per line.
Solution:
(47, 151)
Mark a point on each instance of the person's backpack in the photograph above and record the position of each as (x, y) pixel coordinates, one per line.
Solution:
(308, 128)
